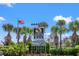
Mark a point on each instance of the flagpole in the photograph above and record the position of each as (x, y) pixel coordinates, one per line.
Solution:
(17, 32)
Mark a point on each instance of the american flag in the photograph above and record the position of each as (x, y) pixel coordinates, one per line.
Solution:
(21, 21)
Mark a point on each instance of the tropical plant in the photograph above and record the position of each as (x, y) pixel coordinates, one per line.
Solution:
(43, 24)
(8, 28)
(62, 29)
(14, 50)
(74, 26)
(30, 31)
(24, 32)
(18, 31)
(67, 43)
(54, 30)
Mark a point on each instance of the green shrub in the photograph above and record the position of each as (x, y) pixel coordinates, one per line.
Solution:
(14, 50)
(47, 47)
(77, 46)
(64, 51)
(70, 51)
(55, 51)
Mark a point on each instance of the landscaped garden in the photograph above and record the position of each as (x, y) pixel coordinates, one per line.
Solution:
(23, 48)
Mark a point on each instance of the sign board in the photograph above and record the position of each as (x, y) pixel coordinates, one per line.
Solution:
(38, 33)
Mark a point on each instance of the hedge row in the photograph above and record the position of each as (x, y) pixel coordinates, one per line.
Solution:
(18, 50)
(64, 51)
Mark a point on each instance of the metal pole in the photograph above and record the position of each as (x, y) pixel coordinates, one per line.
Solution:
(18, 32)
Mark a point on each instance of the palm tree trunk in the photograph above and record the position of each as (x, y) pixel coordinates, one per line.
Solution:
(60, 40)
(18, 37)
(74, 38)
(8, 33)
(24, 39)
(8, 38)
(56, 40)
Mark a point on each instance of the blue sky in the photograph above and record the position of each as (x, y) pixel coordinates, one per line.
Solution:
(33, 13)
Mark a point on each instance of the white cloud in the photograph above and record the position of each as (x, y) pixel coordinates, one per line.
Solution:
(77, 18)
(47, 34)
(67, 19)
(2, 18)
(8, 4)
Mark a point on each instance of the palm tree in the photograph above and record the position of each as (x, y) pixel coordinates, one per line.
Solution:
(18, 34)
(24, 32)
(61, 24)
(54, 30)
(8, 28)
(67, 42)
(74, 26)
(30, 31)
(43, 24)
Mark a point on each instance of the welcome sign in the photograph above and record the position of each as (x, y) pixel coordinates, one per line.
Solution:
(38, 33)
